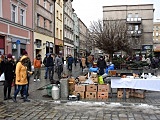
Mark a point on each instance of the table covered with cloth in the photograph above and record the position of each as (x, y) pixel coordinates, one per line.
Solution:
(152, 84)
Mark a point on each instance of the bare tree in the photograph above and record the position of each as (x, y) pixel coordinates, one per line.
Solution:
(110, 36)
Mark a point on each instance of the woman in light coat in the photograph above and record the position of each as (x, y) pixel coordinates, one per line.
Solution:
(21, 77)
(83, 60)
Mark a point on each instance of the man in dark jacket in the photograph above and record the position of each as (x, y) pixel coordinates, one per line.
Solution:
(50, 65)
(45, 64)
(101, 63)
(70, 62)
(9, 73)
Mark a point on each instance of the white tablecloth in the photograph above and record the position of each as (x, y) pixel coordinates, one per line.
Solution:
(144, 84)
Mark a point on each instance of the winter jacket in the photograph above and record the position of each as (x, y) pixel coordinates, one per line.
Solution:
(70, 60)
(101, 63)
(21, 73)
(49, 61)
(9, 70)
(37, 63)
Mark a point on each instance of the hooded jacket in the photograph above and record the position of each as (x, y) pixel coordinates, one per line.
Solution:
(21, 72)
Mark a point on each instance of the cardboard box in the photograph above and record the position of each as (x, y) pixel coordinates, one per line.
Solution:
(112, 72)
(71, 80)
(80, 88)
(82, 78)
(95, 80)
(71, 88)
(91, 95)
(91, 88)
(104, 88)
(120, 94)
(102, 95)
(93, 75)
(139, 95)
(82, 94)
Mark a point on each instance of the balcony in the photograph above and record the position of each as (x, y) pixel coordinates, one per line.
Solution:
(134, 20)
(134, 33)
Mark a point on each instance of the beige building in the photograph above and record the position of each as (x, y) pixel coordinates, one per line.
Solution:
(59, 43)
(156, 37)
(139, 19)
(43, 27)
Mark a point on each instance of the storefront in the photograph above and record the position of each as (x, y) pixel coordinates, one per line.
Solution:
(58, 46)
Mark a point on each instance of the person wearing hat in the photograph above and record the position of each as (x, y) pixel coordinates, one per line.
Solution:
(9, 73)
(29, 66)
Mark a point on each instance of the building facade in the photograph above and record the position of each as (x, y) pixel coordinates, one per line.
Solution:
(16, 28)
(156, 38)
(139, 19)
(68, 29)
(83, 32)
(76, 35)
(44, 27)
(59, 43)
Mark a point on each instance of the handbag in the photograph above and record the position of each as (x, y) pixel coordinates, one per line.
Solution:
(2, 77)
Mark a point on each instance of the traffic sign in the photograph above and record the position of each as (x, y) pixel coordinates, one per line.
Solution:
(18, 42)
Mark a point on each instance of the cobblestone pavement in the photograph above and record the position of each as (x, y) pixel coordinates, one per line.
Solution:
(43, 107)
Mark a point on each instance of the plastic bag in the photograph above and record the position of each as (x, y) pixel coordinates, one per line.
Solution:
(100, 80)
(2, 78)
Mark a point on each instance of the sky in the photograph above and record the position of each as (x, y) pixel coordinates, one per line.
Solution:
(92, 10)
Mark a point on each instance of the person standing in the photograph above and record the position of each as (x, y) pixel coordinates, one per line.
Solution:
(37, 67)
(90, 60)
(70, 62)
(50, 64)
(46, 66)
(9, 73)
(21, 78)
(75, 61)
(101, 63)
(59, 65)
(83, 61)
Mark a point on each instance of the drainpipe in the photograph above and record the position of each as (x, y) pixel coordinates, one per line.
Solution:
(54, 24)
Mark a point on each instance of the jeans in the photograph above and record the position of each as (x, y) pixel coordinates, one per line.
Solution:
(51, 72)
(19, 87)
(46, 72)
(37, 72)
(69, 67)
(59, 71)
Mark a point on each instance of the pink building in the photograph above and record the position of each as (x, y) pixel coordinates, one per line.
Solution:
(16, 27)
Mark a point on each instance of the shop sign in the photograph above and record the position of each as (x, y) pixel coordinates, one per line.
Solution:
(147, 47)
(14, 46)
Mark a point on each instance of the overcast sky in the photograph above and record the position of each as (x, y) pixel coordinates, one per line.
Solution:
(91, 10)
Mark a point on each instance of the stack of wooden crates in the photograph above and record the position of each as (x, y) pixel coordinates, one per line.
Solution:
(88, 91)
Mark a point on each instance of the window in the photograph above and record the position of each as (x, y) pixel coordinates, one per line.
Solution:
(136, 27)
(45, 4)
(60, 16)
(136, 15)
(157, 34)
(22, 17)
(61, 34)
(57, 13)
(45, 23)
(57, 32)
(0, 8)
(50, 25)
(129, 15)
(38, 1)
(13, 13)
(51, 8)
(38, 20)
